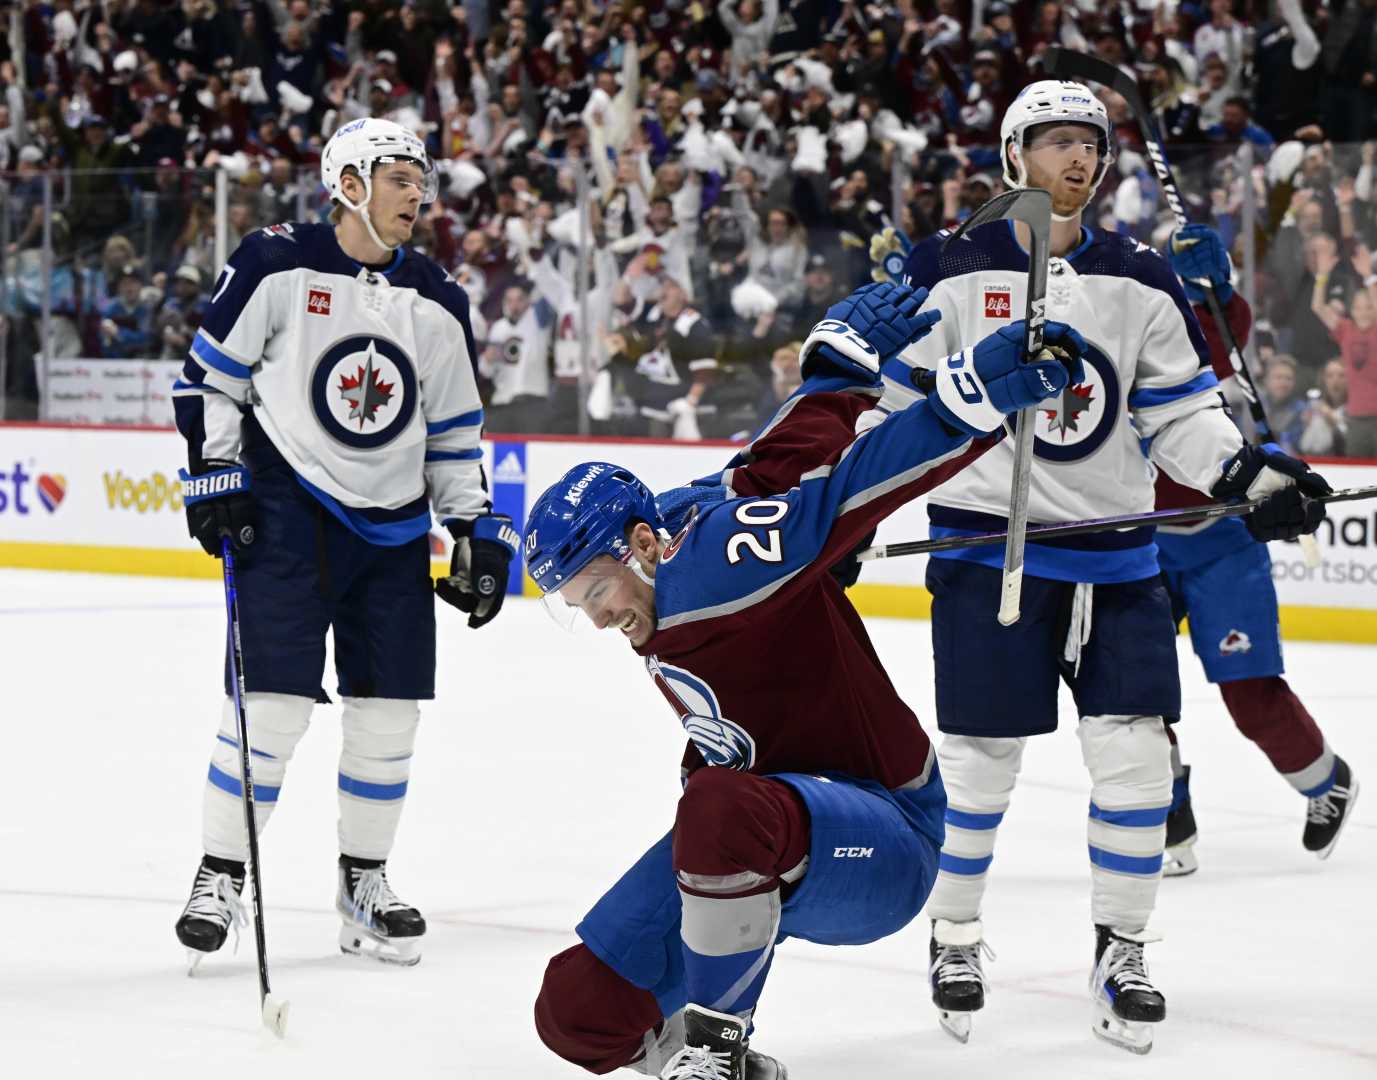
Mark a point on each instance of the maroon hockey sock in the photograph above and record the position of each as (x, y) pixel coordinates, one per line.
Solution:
(589, 1015)
(1268, 712)
(732, 824)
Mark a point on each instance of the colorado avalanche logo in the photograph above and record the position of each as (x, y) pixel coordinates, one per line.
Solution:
(1075, 424)
(719, 740)
(363, 391)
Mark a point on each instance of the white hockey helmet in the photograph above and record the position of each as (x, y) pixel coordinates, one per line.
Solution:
(364, 144)
(1051, 101)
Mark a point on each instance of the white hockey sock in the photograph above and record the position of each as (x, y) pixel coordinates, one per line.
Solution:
(374, 767)
(1129, 759)
(276, 723)
(1316, 778)
(979, 775)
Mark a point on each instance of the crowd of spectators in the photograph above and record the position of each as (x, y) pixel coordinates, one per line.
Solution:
(721, 165)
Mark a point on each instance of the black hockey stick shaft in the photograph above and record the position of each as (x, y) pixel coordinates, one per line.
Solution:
(1206, 512)
(236, 661)
(1063, 62)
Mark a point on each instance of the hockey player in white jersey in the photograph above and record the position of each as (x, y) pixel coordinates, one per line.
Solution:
(329, 404)
(1094, 612)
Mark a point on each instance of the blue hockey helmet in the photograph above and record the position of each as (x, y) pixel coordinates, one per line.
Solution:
(584, 515)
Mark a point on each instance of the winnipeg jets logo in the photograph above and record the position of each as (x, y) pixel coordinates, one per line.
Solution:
(363, 391)
(1076, 423)
(720, 741)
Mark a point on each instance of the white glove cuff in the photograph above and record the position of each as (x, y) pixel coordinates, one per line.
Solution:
(959, 388)
(1267, 482)
(845, 340)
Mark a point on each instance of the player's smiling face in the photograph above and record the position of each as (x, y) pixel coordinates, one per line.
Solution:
(1063, 158)
(613, 596)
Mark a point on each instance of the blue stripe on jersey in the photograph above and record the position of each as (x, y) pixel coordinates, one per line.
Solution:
(476, 454)
(209, 355)
(1164, 395)
(964, 820)
(1146, 865)
(227, 783)
(1059, 564)
(391, 533)
(235, 743)
(366, 790)
(1138, 819)
(468, 419)
(954, 864)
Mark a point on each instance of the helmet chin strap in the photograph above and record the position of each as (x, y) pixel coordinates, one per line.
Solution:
(362, 210)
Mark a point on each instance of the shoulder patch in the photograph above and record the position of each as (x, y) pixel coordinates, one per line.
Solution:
(282, 230)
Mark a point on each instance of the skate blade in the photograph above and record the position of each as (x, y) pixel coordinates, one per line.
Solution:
(358, 941)
(1131, 1035)
(1180, 861)
(1328, 849)
(955, 1024)
(275, 1015)
(193, 961)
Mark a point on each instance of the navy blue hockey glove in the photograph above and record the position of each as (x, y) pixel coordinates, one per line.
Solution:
(872, 325)
(478, 569)
(1291, 488)
(976, 388)
(1198, 253)
(889, 252)
(218, 505)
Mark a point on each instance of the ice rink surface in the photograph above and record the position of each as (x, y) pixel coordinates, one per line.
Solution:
(546, 765)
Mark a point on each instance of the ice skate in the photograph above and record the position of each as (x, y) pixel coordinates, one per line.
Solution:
(376, 922)
(716, 1048)
(1126, 1004)
(1179, 858)
(1326, 816)
(958, 981)
(213, 908)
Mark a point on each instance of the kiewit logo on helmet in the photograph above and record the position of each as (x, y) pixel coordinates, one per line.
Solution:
(575, 493)
(998, 305)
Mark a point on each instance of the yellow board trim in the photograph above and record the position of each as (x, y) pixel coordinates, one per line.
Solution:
(888, 601)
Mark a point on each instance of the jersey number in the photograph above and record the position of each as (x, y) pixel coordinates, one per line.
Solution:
(225, 276)
(757, 513)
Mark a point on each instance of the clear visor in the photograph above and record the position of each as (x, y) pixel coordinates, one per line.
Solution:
(600, 596)
(429, 183)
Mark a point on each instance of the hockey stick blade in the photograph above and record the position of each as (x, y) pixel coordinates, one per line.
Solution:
(1020, 204)
(275, 1015)
(1094, 525)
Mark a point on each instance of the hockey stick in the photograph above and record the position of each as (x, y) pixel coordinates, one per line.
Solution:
(1064, 62)
(1094, 525)
(1033, 207)
(274, 1011)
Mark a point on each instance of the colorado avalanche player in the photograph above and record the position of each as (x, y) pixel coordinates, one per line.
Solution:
(1095, 613)
(812, 804)
(1220, 576)
(329, 404)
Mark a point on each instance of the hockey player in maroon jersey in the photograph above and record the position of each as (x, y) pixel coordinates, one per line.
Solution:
(812, 804)
(1221, 577)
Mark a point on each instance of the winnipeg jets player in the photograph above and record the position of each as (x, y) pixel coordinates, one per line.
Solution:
(1094, 612)
(329, 404)
(811, 804)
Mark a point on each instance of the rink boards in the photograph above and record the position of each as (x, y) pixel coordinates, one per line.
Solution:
(106, 500)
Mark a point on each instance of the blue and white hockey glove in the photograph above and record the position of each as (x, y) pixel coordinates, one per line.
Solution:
(478, 569)
(872, 325)
(889, 252)
(1290, 485)
(976, 388)
(1197, 253)
(218, 505)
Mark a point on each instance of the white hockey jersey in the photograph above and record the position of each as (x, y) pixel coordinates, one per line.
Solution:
(1150, 397)
(517, 358)
(361, 380)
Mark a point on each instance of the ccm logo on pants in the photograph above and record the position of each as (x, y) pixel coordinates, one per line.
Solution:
(852, 852)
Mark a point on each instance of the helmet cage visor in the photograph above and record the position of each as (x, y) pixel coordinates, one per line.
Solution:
(428, 185)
